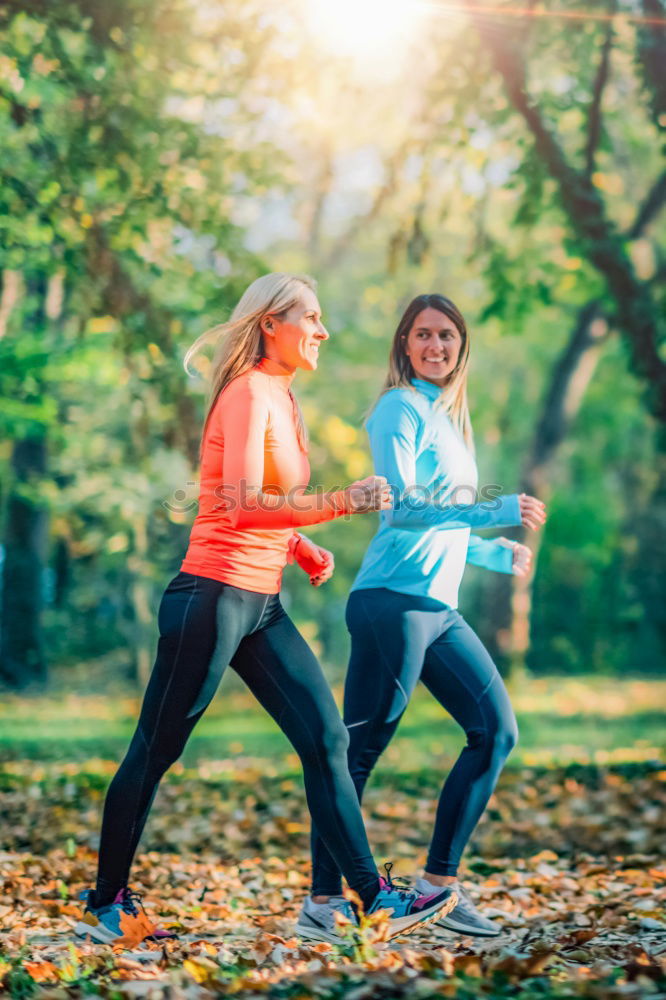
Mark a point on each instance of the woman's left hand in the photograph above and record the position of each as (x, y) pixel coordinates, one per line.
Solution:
(522, 556)
(314, 560)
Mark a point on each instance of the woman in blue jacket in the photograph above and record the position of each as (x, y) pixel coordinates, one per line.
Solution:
(402, 613)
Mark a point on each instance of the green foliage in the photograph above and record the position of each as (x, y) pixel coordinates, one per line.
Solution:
(148, 146)
(109, 181)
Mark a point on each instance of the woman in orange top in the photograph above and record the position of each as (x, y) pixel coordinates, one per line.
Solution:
(224, 605)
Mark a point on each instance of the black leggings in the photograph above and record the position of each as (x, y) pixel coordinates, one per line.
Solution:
(204, 625)
(397, 640)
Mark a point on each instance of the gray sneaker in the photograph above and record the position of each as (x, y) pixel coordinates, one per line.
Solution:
(317, 920)
(464, 917)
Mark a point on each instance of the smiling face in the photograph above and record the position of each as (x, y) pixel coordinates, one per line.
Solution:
(433, 346)
(293, 339)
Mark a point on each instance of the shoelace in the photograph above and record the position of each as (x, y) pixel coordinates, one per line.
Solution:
(132, 900)
(399, 884)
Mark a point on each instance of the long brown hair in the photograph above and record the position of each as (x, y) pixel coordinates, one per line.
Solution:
(453, 397)
(239, 343)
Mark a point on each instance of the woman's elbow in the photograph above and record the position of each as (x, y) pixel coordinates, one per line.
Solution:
(400, 518)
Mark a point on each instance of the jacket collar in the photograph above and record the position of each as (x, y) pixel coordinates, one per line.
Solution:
(428, 389)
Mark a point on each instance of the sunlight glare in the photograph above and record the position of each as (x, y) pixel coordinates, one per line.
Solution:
(363, 28)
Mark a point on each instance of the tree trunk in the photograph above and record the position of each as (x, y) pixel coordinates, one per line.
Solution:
(12, 291)
(599, 240)
(510, 602)
(22, 659)
(648, 568)
(25, 527)
(322, 190)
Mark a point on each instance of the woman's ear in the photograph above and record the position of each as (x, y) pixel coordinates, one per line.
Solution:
(266, 325)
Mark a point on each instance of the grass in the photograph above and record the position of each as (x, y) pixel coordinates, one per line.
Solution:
(561, 720)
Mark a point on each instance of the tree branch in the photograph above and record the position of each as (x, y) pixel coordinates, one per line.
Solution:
(323, 188)
(594, 113)
(570, 378)
(511, 597)
(600, 242)
(120, 297)
(332, 257)
(654, 201)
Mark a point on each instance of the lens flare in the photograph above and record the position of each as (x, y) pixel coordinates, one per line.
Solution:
(362, 28)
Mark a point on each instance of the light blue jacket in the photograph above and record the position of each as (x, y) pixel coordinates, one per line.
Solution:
(422, 544)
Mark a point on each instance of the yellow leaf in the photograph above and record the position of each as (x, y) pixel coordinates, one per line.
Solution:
(101, 324)
(610, 183)
(201, 969)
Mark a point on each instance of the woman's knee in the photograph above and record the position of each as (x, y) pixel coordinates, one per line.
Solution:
(496, 740)
(336, 741)
(501, 722)
(156, 754)
(506, 737)
(329, 744)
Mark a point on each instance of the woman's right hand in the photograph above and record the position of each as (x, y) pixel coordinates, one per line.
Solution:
(532, 511)
(371, 493)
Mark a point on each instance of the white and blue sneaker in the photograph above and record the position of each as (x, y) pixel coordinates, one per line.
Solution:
(408, 908)
(464, 917)
(317, 921)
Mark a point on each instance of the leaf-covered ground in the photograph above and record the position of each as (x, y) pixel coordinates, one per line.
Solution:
(568, 859)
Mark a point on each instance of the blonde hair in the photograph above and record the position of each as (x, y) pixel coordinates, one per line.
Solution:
(453, 397)
(239, 343)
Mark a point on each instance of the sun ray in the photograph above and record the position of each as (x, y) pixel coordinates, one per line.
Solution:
(433, 7)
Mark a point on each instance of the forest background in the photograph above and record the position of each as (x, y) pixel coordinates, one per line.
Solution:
(155, 157)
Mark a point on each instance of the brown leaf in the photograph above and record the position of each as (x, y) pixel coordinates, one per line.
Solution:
(469, 964)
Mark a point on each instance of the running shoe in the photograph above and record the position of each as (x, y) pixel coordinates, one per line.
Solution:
(317, 921)
(408, 908)
(103, 923)
(464, 917)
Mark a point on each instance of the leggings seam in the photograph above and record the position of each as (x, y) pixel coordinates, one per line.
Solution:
(175, 662)
(261, 615)
(149, 746)
(475, 697)
(487, 688)
(389, 671)
(305, 727)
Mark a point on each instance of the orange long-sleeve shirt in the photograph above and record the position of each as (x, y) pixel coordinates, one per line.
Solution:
(253, 477)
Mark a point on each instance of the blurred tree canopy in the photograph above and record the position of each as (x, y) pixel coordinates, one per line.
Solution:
(157, 157)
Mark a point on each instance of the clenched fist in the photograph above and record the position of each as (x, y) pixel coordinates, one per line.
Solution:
(532, 511)
(314, 560)
(371, 493)
(522, 556)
